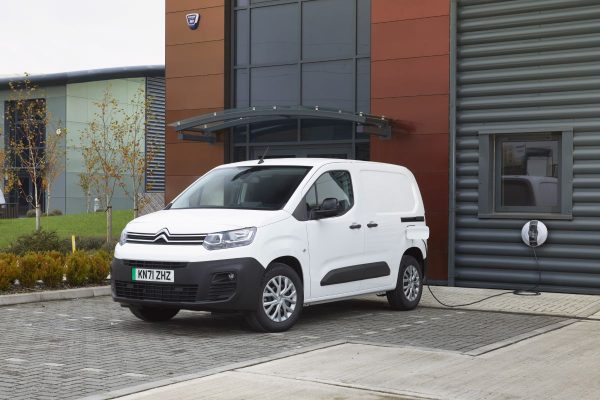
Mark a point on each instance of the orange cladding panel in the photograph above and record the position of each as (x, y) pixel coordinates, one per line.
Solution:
(398, 10)
(211, 27)
(183, 63)
(413, 38)
(410, 83)
(195, 85)
(410, 77)
(416, 111)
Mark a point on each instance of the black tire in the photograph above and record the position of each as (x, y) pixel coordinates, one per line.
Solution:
(154, 314)
(259, 320)
(398, 298)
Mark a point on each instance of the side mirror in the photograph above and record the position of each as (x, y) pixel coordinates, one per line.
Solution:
(330, 207)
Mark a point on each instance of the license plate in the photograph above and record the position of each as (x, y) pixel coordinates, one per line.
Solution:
(152, 275)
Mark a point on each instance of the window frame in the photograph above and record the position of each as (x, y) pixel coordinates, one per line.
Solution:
(489, 205)
(301, 212)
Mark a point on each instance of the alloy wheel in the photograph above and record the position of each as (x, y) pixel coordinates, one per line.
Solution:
(279, 298)
(411, 283)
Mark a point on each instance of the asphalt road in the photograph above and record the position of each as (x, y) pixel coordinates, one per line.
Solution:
(71, 349)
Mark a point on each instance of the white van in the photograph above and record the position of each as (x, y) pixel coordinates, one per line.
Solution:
(269, 237)
(2, 203)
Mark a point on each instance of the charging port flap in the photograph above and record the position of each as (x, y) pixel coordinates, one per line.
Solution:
(417, 232)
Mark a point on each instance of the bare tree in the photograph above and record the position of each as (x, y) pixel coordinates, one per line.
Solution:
(103, 161)
(2, 163)
(132, 147)
(55, 165)
(2, 166)
(85, 182)
(30, 148)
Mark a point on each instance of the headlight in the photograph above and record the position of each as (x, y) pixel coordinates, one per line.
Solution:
(123, 237)
(225, 240)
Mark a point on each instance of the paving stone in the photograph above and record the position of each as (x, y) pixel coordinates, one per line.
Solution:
(131, 352)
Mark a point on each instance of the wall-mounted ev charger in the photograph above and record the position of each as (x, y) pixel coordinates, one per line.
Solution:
(534, 233)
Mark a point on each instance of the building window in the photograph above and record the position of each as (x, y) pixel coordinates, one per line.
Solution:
(24, 122)
(526, 174)
(287, 53)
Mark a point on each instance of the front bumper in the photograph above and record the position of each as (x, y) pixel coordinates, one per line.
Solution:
(197, 285)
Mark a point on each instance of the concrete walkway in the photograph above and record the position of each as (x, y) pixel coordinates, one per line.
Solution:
(561, 364)
(555, 364)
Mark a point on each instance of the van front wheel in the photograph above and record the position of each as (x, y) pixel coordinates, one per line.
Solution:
(409, 287)
(281, 297)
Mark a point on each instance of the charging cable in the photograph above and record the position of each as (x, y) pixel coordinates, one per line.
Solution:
(532, 291)
(519, 292)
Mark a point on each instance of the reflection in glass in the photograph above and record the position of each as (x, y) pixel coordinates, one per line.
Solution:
(328, 84)
(274, 34)
(248, 188)
(239, 134)
(242, 44)
(324, 129)
(530, 173)
(239, 154)
(274, 86)
(242, 88)
(274, 131)
(334, 184)
(328, 29)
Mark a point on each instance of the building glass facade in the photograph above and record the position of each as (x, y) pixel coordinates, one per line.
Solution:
(287, 53)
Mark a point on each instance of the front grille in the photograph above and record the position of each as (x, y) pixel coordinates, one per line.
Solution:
(156, 291)
(221, 287)
(165, 237)
(153, 264)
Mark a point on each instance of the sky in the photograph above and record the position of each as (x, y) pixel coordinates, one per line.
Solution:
(48, 36)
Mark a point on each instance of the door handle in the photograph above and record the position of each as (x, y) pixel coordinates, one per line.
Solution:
(355, 226)
(372, 225)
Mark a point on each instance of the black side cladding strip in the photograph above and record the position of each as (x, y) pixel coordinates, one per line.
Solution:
(413, 219)
(356, 273)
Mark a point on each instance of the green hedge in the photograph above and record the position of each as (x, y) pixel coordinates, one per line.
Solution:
(51, 267)
(43, 240)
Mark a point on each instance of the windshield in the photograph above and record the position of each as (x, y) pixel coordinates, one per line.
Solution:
(251, 188)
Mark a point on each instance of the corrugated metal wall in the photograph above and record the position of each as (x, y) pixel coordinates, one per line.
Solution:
(155, 135)
(528, 64)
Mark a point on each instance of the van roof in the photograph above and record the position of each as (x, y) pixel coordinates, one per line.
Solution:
(309, 162)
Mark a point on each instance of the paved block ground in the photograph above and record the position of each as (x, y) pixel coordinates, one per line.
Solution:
(70, 349)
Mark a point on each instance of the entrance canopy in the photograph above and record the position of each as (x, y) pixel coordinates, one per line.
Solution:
(203, 128)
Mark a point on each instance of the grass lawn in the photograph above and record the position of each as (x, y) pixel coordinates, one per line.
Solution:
(92, 224)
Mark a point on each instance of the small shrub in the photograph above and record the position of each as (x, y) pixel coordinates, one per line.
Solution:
(10, 258)
(78, 268)
(51, 270)
(38, 242)
(29, 266)
(57, 255)
(9, 271)
(109, 247)
(30, 213)
(55, 212)
(99, 267)
(90, 243)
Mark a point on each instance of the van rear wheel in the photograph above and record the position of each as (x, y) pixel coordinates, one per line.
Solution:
(281, 297)
(154, 314)
(409, 287)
